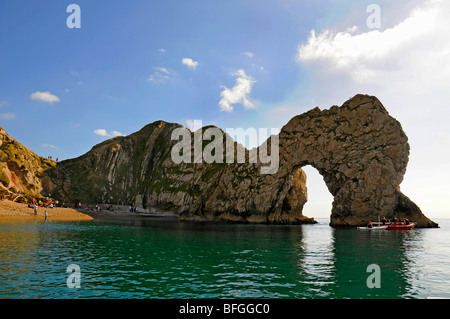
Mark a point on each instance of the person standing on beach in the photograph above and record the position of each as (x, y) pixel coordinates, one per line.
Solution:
(45, 214)
(35, 209)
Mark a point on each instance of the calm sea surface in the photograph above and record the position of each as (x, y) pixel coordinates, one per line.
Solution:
(154, 258)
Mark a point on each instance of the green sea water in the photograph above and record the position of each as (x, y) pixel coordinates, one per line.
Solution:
(156, 258)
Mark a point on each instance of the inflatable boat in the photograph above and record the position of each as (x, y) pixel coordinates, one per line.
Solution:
(400, 226)
(373, 228)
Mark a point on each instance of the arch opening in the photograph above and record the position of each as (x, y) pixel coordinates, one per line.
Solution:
(320, 200)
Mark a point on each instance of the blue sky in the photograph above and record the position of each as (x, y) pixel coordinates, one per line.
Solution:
(64, 90)
(100, 72)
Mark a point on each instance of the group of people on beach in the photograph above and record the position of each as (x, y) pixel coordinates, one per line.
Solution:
(97, 208)
(35, 208)
(48, 203)
(133, 209)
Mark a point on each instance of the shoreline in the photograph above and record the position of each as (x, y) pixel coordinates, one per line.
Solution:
(108, 215)
(10, 210)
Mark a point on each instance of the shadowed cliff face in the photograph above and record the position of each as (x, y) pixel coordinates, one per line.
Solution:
(358, 148)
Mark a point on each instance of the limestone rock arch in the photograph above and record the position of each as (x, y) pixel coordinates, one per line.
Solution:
(361, 152)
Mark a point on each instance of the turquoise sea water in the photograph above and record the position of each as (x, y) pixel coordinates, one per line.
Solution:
(154, 258)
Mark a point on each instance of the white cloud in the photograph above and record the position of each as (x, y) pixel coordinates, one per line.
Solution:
(116, 133)
(407, 66)
(407, 62)
(103, 132)
(44, 97)
(238, 94)
(190, 63)
(160, 75)
(163, 70)
(249, 54)
(49, 146)
(3, 103)
(364, 55)
(7, 116)
(162, 50)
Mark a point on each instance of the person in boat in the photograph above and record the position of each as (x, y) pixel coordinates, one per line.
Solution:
(384, 220)
(406, 221)
(394, 220)
(370, 225)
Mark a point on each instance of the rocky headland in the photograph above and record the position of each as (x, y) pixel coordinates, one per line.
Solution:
(358, 148)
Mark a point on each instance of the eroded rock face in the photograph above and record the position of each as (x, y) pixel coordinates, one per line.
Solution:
(20, 168)
(361, 152)
(359, 149)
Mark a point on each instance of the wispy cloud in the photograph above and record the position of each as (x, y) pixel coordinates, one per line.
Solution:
(49, 146)
(160, 75)
(7, 116)
(249, 54)
(163, 70)
(103, 132)
(44, 97)
(190, 63)
(238, 94)
(116, 133)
